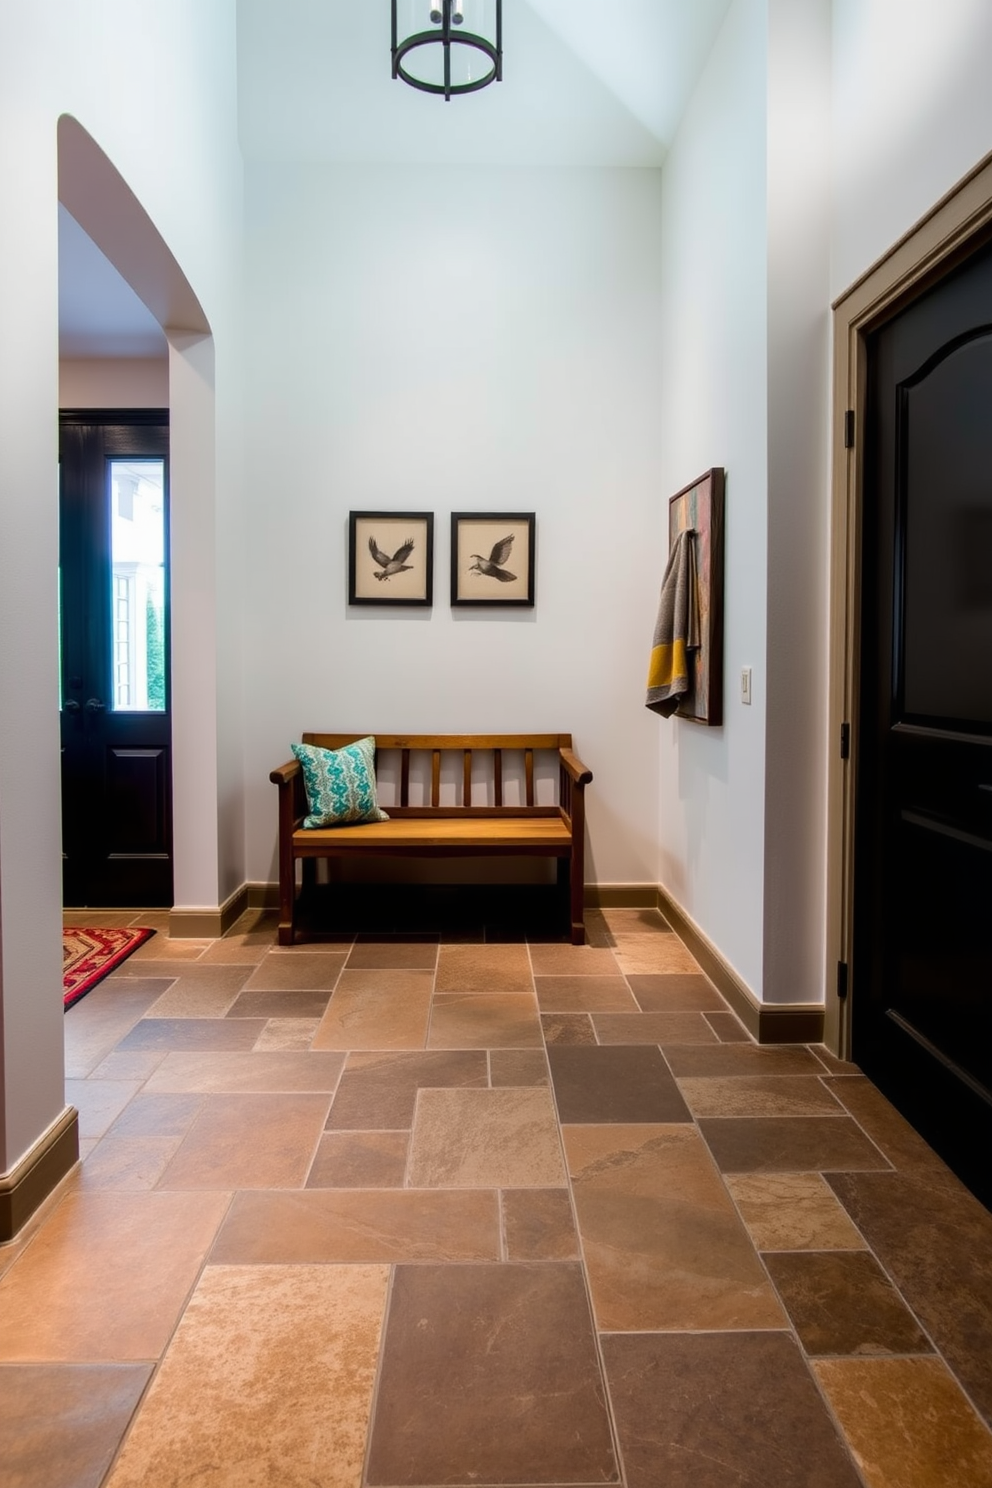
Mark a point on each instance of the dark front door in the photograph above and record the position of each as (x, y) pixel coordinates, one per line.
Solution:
(922, 1011)
(114, 611)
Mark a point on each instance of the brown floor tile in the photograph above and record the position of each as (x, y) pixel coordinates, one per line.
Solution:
(161, 948)
(71, 1294)
(304, 971)
(135, 1163)
(354, 1225)
(109, 919)
(214, 1074)
(538, 1225)
(617, 1083)
(721, 1410)
(62, 1423)
(485, 1139)
(792, 1211)
(111, 1009)
(483, 968)
(192, 1033)
(728, 1028)
(370, 1159)
(832, 1064)
(250, 1414)
(784, 1144)
(572, 960)
(649, 956)
(741, 1059)
(571, 994)
(249, 1141)
(759, 1095)
(626, 922)
(908, 1423)
(903, 1146)
(935, 1241)
(479, 1020)
(201, 992)
(652, 1028)
(412, 955)
(841, 1302)
(664, 1246)
(260, 1002)
(675, 993)
(567, 1028)
(517, 1067)
(379, 1091)
(136, 1066)
(99, 1102)
(505, 1357)
(387, 1009)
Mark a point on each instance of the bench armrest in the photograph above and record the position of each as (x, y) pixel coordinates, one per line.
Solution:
(580, 774)
(285, 773)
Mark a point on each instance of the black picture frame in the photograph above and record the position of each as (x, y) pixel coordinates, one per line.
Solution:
(376, 540)
(482, 574)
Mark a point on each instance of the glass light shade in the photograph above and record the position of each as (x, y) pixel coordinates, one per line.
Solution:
(447, 46)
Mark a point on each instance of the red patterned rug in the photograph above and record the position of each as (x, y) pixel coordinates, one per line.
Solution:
(88, 955)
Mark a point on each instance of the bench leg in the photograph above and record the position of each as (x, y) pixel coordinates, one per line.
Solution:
(287, 907)
(572, 884)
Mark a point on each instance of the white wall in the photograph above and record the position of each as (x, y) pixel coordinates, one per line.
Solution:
(124, 382)
(457, 339)
(912, 115)
(175, 144)
(714, 412)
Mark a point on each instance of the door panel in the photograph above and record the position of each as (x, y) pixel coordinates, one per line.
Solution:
(116, 726)
(922, 1013)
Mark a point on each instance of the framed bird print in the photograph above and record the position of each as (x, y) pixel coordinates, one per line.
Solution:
(492, 558)
(391, 558)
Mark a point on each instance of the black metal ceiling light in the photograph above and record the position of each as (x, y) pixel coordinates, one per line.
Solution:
(434, 49)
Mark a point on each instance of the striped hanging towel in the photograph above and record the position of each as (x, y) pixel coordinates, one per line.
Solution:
(676, 630)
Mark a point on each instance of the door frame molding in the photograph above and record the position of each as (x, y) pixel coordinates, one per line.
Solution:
(960, 222)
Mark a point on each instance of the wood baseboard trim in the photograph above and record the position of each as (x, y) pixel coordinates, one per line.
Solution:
(767, 1023)
(208, 924)
(621, 896)
(28, 1184)
(263, 895)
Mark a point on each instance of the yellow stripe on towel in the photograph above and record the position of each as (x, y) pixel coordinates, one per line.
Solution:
(668, 663)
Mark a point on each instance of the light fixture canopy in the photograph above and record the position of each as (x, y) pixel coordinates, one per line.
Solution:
(448, 46)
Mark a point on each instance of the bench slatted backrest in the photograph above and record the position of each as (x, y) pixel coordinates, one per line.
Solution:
(438, 745)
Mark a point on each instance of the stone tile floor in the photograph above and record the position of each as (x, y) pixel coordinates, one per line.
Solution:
(380, 1211)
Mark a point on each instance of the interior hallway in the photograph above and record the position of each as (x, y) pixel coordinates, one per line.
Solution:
(464, 1211)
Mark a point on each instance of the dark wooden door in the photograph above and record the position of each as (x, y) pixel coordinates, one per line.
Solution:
(922, 1012)
(114, 613)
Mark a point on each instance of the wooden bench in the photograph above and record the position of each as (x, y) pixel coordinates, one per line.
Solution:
(435, 830)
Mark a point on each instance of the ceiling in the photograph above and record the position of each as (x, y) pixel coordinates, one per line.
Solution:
(585, 83)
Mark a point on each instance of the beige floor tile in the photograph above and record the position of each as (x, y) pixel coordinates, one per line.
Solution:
(99, 1102)
(201, 992)
(137, 1065)
(792, 1211)
(74, 1292)
(483, 968)
(627, 922)
(518, 1067)
(103, 919)
(97, 1023)
(135, 1163)
(415, 955)
(640, 955)
(304, 970)
(234, 953)
(251, 1415)
(569, 960)
(214, 1074)
(353, 1225)
(475, 1020)
(663, 1244)
(908, 1423)
(506, 1138)
(377, 1009)
(159, 947)
(586, 994)
(249, 1141)
(759, 1095)
(289, 1034)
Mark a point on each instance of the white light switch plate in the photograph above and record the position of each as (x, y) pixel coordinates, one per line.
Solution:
(746, 685)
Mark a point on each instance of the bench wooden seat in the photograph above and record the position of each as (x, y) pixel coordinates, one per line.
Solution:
(461, 828)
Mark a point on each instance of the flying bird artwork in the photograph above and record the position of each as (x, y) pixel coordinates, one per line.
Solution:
(397, 564)
(492, 566)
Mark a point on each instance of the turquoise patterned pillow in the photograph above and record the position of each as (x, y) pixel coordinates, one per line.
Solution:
(340, 783)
